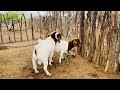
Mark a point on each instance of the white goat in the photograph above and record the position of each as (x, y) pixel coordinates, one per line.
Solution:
(43, 50)
(64, 47)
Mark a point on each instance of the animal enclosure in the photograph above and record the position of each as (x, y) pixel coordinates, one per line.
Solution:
(20, 31)
(98, 31)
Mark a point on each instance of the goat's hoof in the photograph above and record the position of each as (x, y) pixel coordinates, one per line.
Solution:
(49, 74)
(50, 64)
(59, 62)
(36, 71)
(73, 55)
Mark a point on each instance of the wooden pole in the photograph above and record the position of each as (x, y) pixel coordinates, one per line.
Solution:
(8, 18)
(40, 25)
(19, 23)
(82, 14)
(21, 29)
(13, 28)
(7, 28)
(1, 27)
(25, 26)
(32, 26)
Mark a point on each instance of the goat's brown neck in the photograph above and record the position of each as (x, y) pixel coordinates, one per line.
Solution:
(70, 45)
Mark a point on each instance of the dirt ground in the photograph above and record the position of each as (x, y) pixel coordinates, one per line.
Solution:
(15, 63)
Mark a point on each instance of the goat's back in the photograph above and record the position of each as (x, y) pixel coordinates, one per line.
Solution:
(62, 46)
(44, 48)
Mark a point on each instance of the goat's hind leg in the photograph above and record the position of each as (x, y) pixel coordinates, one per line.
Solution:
(34, 61)
(45, 63)
(50, 59)
(63, 58)
(61, 54)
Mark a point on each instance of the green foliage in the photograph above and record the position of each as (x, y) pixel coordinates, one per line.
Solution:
(15, 15)
(9, 15)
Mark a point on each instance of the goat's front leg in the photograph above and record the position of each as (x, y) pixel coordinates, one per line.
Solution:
(63, 58)
(61, 55)
(50, 59)
(72, 54)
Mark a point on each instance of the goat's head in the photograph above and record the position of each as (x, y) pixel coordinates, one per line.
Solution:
(55, 35)
(76, 42)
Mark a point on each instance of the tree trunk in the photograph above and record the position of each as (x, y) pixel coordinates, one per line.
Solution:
(68, 25)
(93, 37)
(114, 47)
(82, 15)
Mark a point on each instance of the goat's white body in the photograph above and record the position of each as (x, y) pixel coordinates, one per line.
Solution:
(45, 49)
(61, 48)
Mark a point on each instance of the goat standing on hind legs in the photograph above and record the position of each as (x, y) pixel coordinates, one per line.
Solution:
(43, 50)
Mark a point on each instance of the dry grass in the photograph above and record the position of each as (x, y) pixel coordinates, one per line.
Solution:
(15, 63)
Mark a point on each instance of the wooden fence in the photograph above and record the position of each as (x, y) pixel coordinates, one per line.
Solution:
(11, 32)
(98, 31)
(100, 36)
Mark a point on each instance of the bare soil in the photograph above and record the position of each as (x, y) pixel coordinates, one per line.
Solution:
(16, 63)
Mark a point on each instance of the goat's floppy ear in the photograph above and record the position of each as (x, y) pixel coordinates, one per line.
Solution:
(59, 37)
(51, 33)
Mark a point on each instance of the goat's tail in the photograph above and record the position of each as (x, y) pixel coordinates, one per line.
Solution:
(34, 56)
(35, 52)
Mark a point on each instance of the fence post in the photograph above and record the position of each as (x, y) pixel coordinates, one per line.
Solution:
(7, 27)
(32, 26)
(1, 27)
(40, 26)
(25, 26)
(7, 18)
(21, 29)
(82, 15)
(13, 28)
